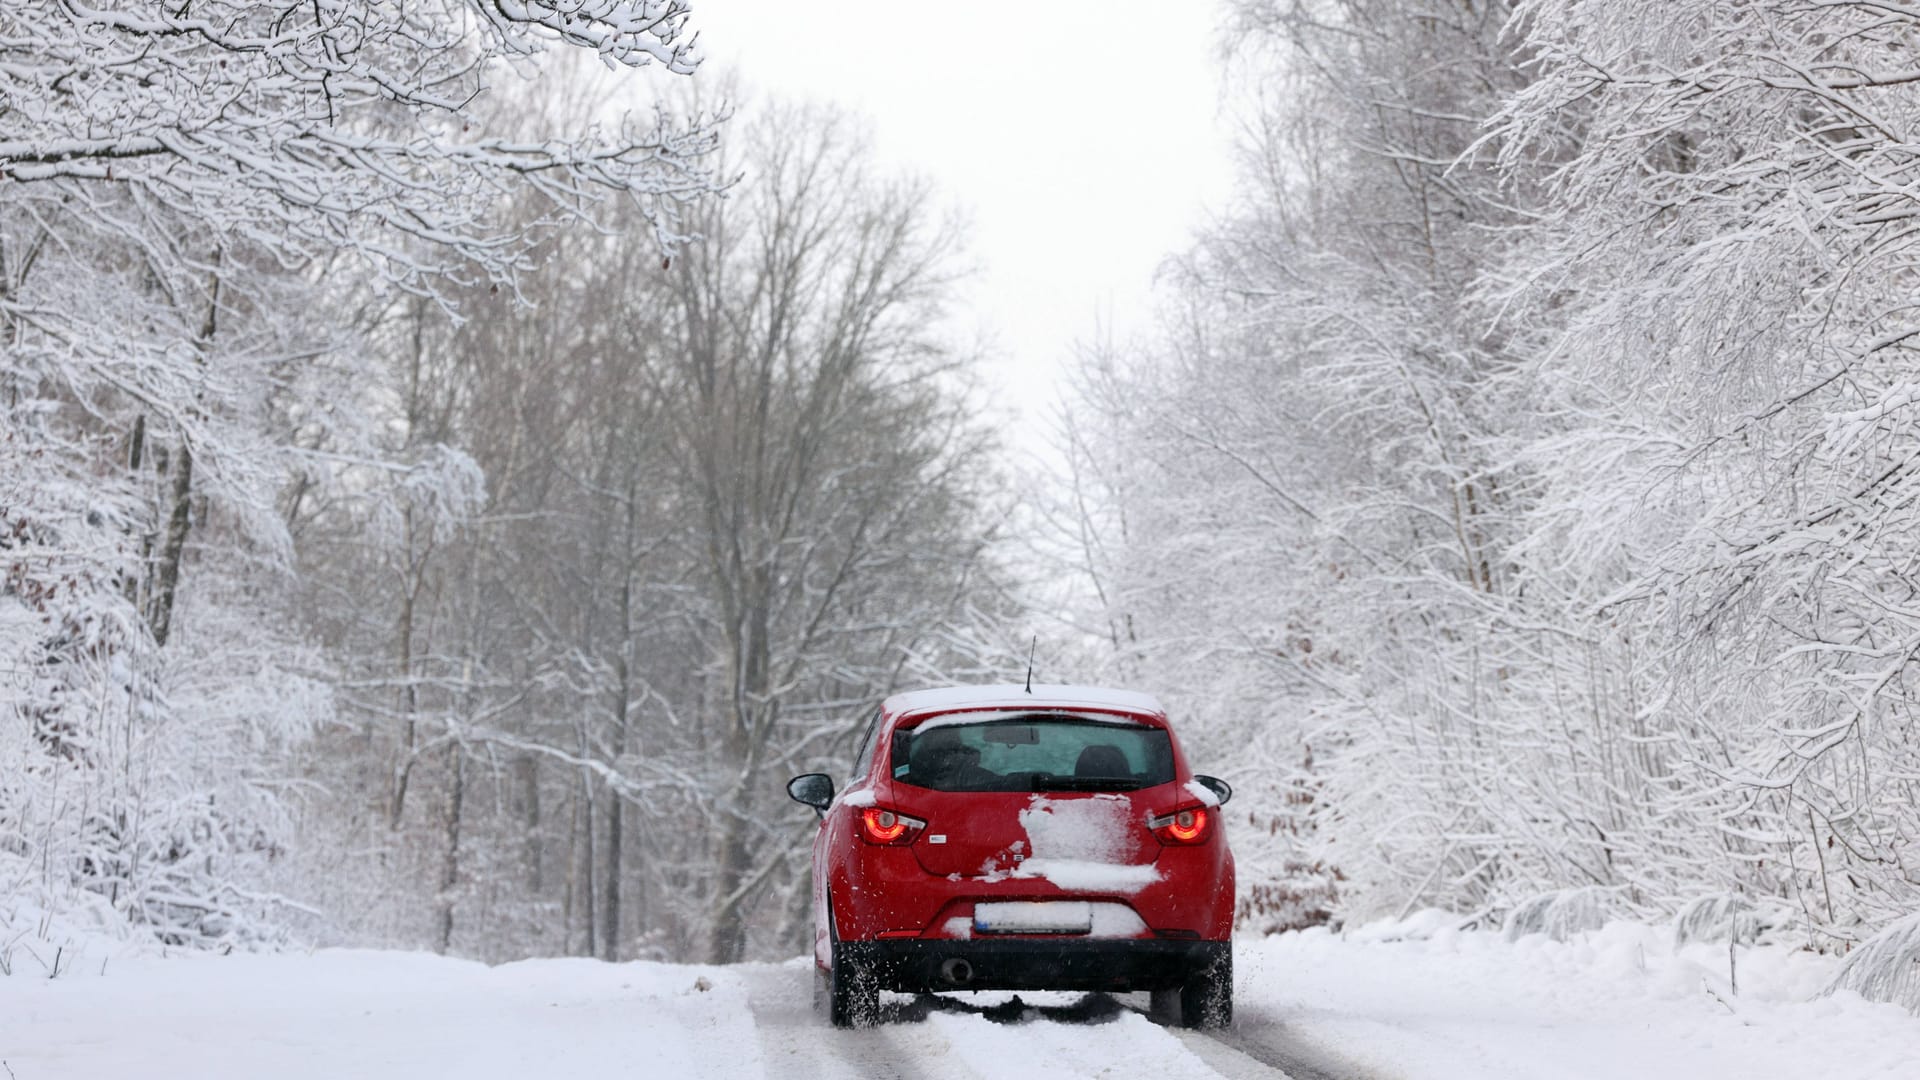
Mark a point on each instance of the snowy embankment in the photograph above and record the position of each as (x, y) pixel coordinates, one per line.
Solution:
(1620, 1002)
(1375, 1004)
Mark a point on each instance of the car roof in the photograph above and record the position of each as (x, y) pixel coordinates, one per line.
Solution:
(1016, 696)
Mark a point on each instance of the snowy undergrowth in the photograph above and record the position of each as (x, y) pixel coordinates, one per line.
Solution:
(1420, 997)
(1886, 967)
(48, 935)
(1416, 999)
(365, 1013)
(1559, 915)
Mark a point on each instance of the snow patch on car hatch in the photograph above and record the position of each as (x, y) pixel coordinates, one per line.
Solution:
(988, 716)
(1078, 844)
(1078, 875)
(1088, 829)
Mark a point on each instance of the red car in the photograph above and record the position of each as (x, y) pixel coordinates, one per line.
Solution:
(1013, 838)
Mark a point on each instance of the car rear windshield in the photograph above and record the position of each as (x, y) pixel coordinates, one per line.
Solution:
(1032, 753)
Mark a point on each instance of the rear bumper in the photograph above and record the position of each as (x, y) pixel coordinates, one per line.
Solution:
(877, 891)
(1053, 963)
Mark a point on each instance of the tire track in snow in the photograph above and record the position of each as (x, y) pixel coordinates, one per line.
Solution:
(1261, 1045)
(797, 1041)
(1271, 1043)
(1229, 1061)
(1097, 1039)
(1367, 1041)
(994, 1037)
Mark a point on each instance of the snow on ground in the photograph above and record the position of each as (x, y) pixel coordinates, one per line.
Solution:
(1616, 1003)
(1385, 1002)
(370, 1015)
(344, 1013)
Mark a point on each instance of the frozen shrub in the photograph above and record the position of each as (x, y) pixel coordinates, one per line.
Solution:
(1301, 895)
(1724, 917)
(1559, 915)
(1887, 967)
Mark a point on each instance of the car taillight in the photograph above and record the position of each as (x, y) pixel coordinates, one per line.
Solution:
(1187, 826)
(879, 826)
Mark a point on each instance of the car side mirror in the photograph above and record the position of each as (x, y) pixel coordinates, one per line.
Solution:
(1220, 788)
(815, 789)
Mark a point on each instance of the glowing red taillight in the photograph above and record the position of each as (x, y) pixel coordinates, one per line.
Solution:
(1188, 826)
(878, 826)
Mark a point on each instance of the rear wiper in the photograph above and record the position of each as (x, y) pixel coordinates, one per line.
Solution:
(1048, 782)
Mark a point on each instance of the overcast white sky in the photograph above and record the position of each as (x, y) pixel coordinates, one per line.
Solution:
(1082, 137)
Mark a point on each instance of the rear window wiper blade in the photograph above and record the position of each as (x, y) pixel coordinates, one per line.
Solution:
(1087, 783)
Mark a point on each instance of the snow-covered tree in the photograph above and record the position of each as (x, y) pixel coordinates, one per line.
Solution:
(184, 191)
(733, 498)
(1320, 553)
(1532, 444)
(1729, 259)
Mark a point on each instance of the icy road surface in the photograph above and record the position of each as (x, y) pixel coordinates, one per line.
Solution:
(367, 1015)
(1399, 1003)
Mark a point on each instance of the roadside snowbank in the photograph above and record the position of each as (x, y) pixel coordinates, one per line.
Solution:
(354, 1013)
(1404, 1001)
(42, 938)
(1417, 1000)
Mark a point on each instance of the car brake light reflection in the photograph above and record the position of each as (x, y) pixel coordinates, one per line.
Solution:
(884, 827)
(1187, 826)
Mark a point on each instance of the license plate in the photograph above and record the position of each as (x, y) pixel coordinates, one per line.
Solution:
(1033, 917)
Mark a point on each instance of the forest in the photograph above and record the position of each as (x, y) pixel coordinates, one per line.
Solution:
(430, 518)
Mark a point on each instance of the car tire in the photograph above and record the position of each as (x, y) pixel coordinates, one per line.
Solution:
(853, 995)
(1206, 999)
(848, 990)
(1164, 1006)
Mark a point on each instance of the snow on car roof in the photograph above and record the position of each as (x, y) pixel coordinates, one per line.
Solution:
(1016, 696)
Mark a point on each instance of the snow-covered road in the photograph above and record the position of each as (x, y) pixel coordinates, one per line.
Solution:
(376, 1015)
(1617, 1004)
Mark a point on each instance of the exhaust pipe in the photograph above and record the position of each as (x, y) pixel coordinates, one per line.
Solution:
(956, 972)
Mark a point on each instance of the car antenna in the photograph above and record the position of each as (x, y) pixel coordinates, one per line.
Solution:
(1030, 648)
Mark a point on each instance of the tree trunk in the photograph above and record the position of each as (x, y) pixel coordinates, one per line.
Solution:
(610, 904)
(180, 520)
(622, 717)
(450, 866)
(746, 727)
(587, 856)
(572, 889)
(409, 695)
(535, 847)
(136, 455)
(728, 940)
(179, 523)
